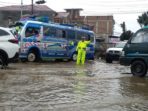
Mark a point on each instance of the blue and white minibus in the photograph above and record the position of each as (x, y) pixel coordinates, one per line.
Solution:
(39, 40)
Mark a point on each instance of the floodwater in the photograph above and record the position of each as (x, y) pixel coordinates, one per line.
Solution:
(63, 86)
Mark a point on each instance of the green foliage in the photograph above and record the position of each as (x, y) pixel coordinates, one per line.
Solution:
(143, 19)
(123, 26)
(40, 2)
(126, 35)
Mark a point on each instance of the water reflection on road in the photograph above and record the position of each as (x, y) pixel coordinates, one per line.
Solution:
(63, 86)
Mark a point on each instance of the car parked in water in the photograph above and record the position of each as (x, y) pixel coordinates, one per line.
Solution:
(114, 53)
(9, 48)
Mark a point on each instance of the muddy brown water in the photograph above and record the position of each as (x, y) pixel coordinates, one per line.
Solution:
(63, 86)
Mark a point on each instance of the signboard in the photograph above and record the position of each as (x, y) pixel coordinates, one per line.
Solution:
(113, 39)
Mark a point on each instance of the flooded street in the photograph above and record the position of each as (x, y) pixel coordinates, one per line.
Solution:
(63, 86)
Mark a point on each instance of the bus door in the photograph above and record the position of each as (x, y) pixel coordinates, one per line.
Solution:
(29, 37)
(61, 43)
(53, 45)
(48, 42)
(31, 32)
(71, 37)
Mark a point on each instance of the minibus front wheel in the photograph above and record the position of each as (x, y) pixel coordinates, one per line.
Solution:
(32, 56)
(139, 68)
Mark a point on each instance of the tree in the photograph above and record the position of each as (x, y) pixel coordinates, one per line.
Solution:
(123, 26)
(126, 35)
(40, 2)
(143, 19)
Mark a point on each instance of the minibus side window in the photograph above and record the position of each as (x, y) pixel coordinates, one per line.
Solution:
(71, 35)
(31, 31)
(140, 37)
(79, 35)
(61, 33)
(91, 37)
(86, 35)
(49, 31)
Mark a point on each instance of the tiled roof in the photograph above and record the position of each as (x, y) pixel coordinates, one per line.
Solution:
(108, 17)
(62, 15)
(26, 8)
(74, 9)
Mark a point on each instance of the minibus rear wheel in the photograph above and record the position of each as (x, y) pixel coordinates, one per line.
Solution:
(74, 57)
(139, 68)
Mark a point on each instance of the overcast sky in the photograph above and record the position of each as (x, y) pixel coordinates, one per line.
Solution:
(122, 10)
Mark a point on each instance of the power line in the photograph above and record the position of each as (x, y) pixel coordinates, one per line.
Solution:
(117, 8)
(8, 2)
(108, 12)
(110, 2)
(115, 5)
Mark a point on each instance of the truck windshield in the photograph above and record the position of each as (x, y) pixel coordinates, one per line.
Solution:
(120, 45)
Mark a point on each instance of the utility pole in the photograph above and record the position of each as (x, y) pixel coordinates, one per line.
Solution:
(21, 8)
(123, 26)
(32, 7)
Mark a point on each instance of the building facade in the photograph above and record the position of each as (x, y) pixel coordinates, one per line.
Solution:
(101, 25)
(10, 14)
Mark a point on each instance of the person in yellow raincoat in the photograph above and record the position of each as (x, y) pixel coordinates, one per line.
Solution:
(81, 49)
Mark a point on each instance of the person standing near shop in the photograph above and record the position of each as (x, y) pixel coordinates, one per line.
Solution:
(81, 49)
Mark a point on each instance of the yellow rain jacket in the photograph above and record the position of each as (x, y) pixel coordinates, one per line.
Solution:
(81, 49)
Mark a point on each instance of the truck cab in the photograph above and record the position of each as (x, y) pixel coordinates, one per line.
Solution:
(135, 53)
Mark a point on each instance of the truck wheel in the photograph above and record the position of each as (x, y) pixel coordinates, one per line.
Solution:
(108, 60)
(32, 57)
(74, 57)
(1, 62)
(139, 68)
